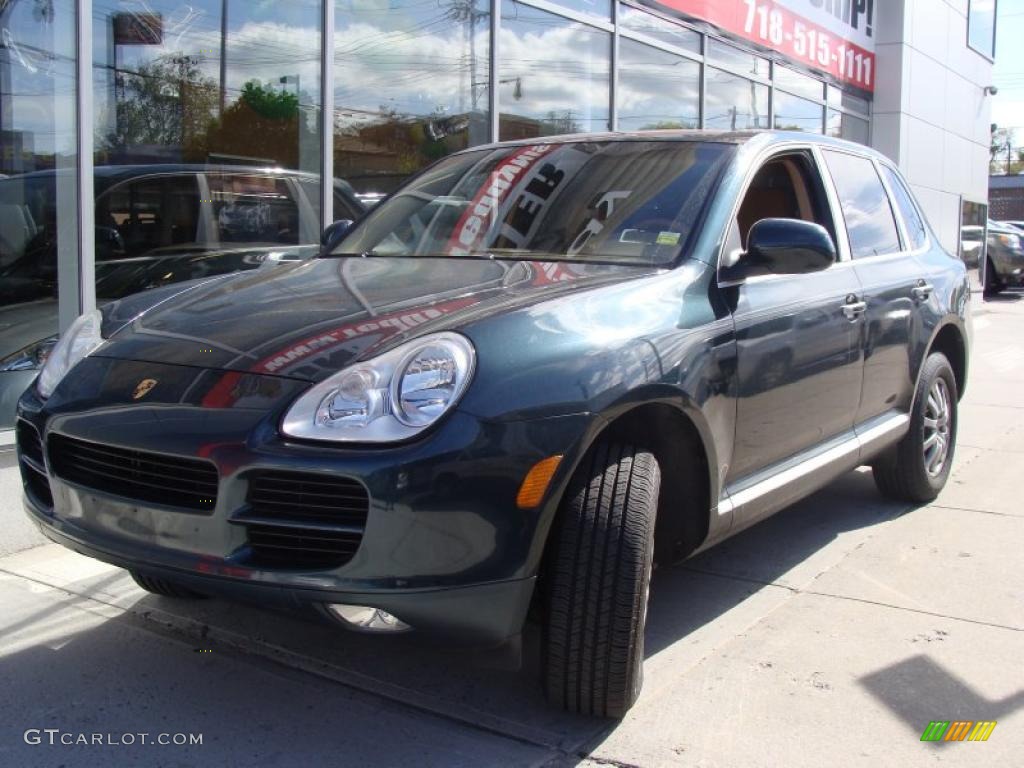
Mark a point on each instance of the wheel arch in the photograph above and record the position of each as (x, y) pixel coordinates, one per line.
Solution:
(684, 448)
(949, 339)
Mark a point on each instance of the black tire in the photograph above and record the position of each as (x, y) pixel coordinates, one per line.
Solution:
(901, 473)
(993, 283)
(596, 582)
(163, 587)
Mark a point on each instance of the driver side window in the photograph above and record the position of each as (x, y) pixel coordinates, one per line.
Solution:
(786, 187)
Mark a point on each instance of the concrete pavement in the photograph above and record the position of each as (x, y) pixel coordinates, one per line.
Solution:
(830, 634)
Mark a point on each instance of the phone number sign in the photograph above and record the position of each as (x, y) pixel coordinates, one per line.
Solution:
(833, 36)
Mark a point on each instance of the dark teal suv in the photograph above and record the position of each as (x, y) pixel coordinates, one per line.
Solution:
(534, 371)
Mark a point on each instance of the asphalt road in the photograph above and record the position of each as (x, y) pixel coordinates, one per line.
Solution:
(830, 634)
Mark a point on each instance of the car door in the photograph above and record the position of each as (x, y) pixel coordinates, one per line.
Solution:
(799, 364)
(892, 281)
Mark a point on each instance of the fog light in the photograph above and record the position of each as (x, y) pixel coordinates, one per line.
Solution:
(366, 618)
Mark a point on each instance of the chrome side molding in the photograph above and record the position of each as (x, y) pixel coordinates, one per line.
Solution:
(862, 443)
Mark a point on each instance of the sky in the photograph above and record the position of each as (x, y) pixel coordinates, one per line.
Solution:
(1008, 74)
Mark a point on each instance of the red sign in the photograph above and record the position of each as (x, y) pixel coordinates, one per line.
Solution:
(839, 39)
(132, 28)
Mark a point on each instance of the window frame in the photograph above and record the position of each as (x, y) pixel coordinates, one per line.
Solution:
(896, 220)
(901, 223)
(831, 200)
(103, 196)
(989, 55)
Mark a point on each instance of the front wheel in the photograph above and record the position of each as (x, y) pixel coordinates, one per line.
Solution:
(157, 586)
(596, 582)
(917, 467)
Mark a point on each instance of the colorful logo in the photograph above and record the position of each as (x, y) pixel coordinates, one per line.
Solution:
(143, 388)
(958, 730)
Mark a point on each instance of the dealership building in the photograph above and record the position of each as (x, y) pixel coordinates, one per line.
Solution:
(138, 138)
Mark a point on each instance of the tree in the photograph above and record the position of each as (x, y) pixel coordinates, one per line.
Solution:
(1001, 151)
(165, 102)
(269, 103)
(669, 125)
(263, 124)
(559, 122)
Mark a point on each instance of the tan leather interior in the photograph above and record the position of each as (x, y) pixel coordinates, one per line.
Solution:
(779, 190)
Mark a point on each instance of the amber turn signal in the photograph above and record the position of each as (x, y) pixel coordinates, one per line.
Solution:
(535, 484)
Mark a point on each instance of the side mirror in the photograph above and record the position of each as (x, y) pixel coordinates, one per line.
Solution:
(787, 247)
(334, 233)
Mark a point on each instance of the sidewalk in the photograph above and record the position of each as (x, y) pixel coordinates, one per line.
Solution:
(830, 634)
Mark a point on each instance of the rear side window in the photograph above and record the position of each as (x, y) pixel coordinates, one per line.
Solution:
(869, 217)
(912, 220)
(153, 213)
(254, 210)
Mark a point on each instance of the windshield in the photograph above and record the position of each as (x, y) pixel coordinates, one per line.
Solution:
(631, 202)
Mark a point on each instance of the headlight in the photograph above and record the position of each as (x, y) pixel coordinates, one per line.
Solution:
(31, 358)
(1010, 241)
(392, 397)
(77, 342)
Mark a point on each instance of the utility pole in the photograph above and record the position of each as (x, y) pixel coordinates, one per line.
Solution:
(223, 53)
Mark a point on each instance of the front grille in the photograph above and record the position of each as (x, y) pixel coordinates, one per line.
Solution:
(37, 485)
(32, 465)
(307, 548)
(29, 444)
(303, 520)
(305, 496)
(188, 484)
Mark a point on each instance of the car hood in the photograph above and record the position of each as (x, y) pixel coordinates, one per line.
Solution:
(311, 319)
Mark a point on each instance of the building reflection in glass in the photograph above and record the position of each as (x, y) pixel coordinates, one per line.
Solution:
(411, 86)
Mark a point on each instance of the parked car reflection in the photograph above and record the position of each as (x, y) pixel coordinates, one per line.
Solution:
(1004, 262)
(155, 225)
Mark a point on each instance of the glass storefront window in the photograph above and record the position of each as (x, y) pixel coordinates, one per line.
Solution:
(981, 27)
(411, 85)
(847, 100)
(974, 239)
(38, 205)
(182, 84)
(600, 9)
(734, 103)
(206, 119)
(795, 114)
(794, 82)
(554, 75)
(737, 58)
(634, 20)
(844, 126)
(657, 89)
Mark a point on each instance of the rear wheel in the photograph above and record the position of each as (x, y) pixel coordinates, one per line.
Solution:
(596, 582)
(917, 468)
(163, 587)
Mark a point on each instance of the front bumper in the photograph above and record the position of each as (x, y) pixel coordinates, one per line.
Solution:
(487, 614)
(1009, 267)
(444, 547)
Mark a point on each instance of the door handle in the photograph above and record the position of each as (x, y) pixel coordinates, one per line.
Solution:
(922, 291)
(854, 308)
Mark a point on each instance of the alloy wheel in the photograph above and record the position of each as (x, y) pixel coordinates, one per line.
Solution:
(937, 427)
